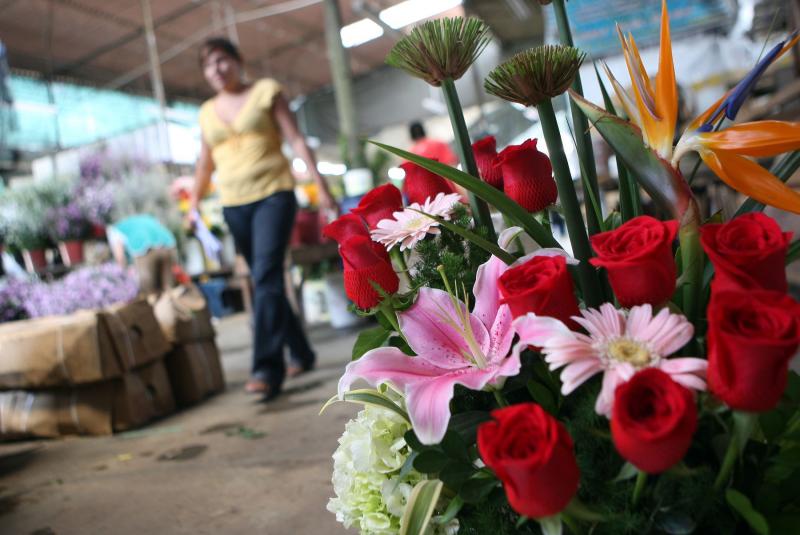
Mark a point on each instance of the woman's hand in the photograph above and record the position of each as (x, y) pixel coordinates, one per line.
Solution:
(328, 204)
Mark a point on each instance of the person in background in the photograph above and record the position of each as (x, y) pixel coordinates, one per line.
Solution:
(430, 148)
(142, 240)
(243, 128)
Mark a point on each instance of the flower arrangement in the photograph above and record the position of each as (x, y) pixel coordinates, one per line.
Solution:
(642, 386)
(68, 222)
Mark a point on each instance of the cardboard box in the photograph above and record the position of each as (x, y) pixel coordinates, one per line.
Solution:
(183, 315)
(56, 351)
(135, 333)
(195, 371)
(117, 404)
(53, 413)
(142, 396)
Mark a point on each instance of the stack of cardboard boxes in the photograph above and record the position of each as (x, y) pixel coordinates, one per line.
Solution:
(193, 364)
(98, 372)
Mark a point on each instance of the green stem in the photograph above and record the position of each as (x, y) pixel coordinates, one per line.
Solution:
(641, 480)
(398, 257)
(587, 275)
(571, 523)
(583, 140)
(501, 400)
(629, 201)
(743, 424)
(691, 260)
(480, 210)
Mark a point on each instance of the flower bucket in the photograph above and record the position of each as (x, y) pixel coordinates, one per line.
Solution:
(99, 231)
(71, 252)
(35, 260)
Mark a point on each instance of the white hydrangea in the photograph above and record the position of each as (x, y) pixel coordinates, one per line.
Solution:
(370, 493)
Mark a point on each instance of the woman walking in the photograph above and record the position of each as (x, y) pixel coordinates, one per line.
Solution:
(243, 128)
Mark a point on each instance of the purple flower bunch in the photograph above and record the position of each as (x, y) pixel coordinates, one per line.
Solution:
(69, 221)
(97, 201)
(90, 287)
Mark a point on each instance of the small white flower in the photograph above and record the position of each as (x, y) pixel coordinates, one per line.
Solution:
(409, 226)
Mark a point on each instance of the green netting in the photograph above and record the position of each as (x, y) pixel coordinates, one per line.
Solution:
(76, 115)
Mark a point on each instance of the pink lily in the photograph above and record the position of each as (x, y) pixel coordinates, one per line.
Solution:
(453, 346)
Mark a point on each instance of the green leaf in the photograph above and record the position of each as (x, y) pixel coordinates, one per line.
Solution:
(793, 253)
(466, 424)
(476, 489)
(551, 525)
(741, 504)
(450, 513)
(400, 343)
(413, 442)
(667, 188)
(543, 396)
(420, 506)
(470, 236)
(368, 397)
(408, 466)
(455, 474)
(628, 471)
(483, 190)
(369, 339)
(455, 447)
(430, 461)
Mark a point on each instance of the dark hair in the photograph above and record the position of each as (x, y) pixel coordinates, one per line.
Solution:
(416, 130)
(221, 44)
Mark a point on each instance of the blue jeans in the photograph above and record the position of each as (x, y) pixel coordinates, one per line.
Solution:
(261, 232)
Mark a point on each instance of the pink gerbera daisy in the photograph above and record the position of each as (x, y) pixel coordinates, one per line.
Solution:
(409, 226)
(618, 344)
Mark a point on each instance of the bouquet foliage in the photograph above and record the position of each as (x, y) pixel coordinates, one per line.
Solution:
(639, 386)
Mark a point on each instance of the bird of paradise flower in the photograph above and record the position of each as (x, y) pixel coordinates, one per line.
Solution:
(653, 109)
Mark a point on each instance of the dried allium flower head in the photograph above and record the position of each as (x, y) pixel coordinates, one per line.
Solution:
(536, 74)
(440, 49)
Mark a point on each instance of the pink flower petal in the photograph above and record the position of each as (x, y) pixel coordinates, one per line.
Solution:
(692, 382)
(536, 330)
(501, 334)
(666, 332)
(428, 402)
(487, 296)
(431, 338)
(688, 371)
(577, 373)
(602, 324)
(605, 401)
(388, 364)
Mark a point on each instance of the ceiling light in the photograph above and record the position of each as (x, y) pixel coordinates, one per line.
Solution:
(328, 168)
(360, 32)
(412, 11)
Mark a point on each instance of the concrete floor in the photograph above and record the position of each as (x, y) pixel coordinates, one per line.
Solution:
(207, 469)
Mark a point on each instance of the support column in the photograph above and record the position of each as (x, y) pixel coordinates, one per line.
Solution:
(156, 81)
(342, 84)
(230, 23)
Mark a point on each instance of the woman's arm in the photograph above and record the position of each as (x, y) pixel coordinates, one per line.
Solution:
(288, 126)
(202, 176)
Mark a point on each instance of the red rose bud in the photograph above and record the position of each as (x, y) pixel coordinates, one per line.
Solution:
(752, 336)
(420, 183)
(379, 203)
(653, 420)
(532, 454)
(528, 176)
(541, 285)
(362, 265)
(345, 227)
(638, 258)
(748, 252)
(485, 151)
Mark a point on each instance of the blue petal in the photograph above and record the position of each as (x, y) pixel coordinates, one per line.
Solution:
(736, 98)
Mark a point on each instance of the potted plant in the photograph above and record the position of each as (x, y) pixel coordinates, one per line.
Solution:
(22, 227)
(69, 226)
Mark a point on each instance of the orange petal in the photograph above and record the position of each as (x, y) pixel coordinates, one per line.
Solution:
(761, 138)
(624, 97)
(706, 115)
(749, 178)
(666, 87)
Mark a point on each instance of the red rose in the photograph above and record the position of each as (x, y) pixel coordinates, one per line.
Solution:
(528, 176)
(485, 151)
(379, 203)
(653, 420)
(344, 227)
(532, 454)
(362, 264)
(541, 285)
(752, 336)
(749, 252)
(638, 258)
(420, 183)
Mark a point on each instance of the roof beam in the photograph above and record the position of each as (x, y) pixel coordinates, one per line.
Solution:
(129, 37)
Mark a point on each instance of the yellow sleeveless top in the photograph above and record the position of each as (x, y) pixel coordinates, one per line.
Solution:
(247, 152)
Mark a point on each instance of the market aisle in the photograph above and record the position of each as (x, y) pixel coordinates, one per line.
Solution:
(229, 465)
